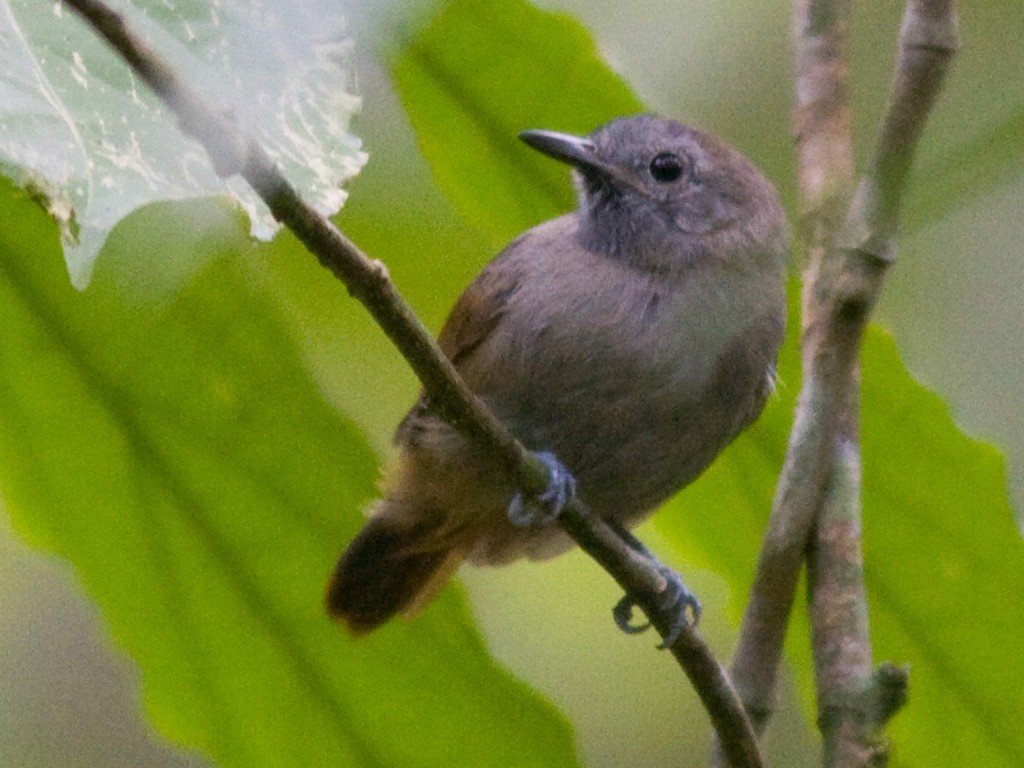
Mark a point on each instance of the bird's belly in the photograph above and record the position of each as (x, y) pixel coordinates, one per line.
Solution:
(637, 436)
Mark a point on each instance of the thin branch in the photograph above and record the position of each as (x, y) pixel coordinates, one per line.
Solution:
(855, 700)
(825, 170)
(849, 244)
(838, 606)
(929, 38)
(232, 152)
(709, 678)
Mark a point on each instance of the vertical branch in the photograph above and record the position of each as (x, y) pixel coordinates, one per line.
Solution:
(929, 38)
(824, 146)
(855, 701)
(838, 606)
(850, 243)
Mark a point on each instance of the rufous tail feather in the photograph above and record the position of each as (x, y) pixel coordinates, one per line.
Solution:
(391, 567)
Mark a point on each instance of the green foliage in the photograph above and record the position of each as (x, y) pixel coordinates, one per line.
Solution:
(178, 454)
(945, 572)
(162, 433)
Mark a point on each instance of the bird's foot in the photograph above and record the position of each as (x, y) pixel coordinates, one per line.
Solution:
(675, 598)
(545, 508)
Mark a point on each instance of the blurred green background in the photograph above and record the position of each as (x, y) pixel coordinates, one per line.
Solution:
(953, 303)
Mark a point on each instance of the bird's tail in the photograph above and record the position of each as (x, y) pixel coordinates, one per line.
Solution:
(394, 565)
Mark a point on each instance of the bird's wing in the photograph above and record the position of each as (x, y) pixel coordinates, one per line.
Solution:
(477, 312)
(473, 318)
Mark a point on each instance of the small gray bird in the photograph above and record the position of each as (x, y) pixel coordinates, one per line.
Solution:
(632, 339)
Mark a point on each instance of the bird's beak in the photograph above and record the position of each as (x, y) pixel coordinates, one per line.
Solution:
(574, 150)
(578, 151)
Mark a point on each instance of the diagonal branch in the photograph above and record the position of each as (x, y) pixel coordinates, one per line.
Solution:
(929, 37)
(233, 152)
(850, 244)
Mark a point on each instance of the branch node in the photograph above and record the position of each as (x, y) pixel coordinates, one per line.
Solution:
(869, 228)
(932, 26)
(888, 692)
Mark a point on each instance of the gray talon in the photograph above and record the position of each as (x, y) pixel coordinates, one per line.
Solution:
(623, 614)
(547, 506)
(680, 599)
(675, 597)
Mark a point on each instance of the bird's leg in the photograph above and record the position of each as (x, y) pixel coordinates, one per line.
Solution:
(545, 508)
(676, 597)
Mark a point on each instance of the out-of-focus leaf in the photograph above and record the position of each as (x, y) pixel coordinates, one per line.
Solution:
(972, 143)
(944, 561)
(477, 75)
(176, 452)
(83, 135)
(975, 167)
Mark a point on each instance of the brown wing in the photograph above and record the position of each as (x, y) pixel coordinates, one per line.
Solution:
(477, 312)
(473, 318)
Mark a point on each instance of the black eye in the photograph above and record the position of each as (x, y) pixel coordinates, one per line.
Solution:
(666, 167)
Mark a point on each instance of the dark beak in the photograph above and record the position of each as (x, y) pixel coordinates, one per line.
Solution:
(574, 150)
(577, 151)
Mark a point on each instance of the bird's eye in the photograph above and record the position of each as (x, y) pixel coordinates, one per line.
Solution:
(666, 167)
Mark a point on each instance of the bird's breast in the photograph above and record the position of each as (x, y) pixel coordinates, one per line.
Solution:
(636, 382)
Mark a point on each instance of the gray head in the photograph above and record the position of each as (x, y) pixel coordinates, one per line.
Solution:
(662, 195)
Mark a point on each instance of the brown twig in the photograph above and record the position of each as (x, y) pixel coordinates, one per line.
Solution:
(825, 177)
(232, 152)
(850, 242)
(855, 700)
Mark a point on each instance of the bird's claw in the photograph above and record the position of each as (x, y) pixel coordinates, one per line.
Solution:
(545, 508)
(675, 597)
(623, 614)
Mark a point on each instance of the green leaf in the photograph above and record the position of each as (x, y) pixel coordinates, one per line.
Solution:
(87, 138)
(176, 452)
(477, 75)
(945, 572)
(945, 565)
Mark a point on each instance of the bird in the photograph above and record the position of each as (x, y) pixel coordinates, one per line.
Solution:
(627, 342)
